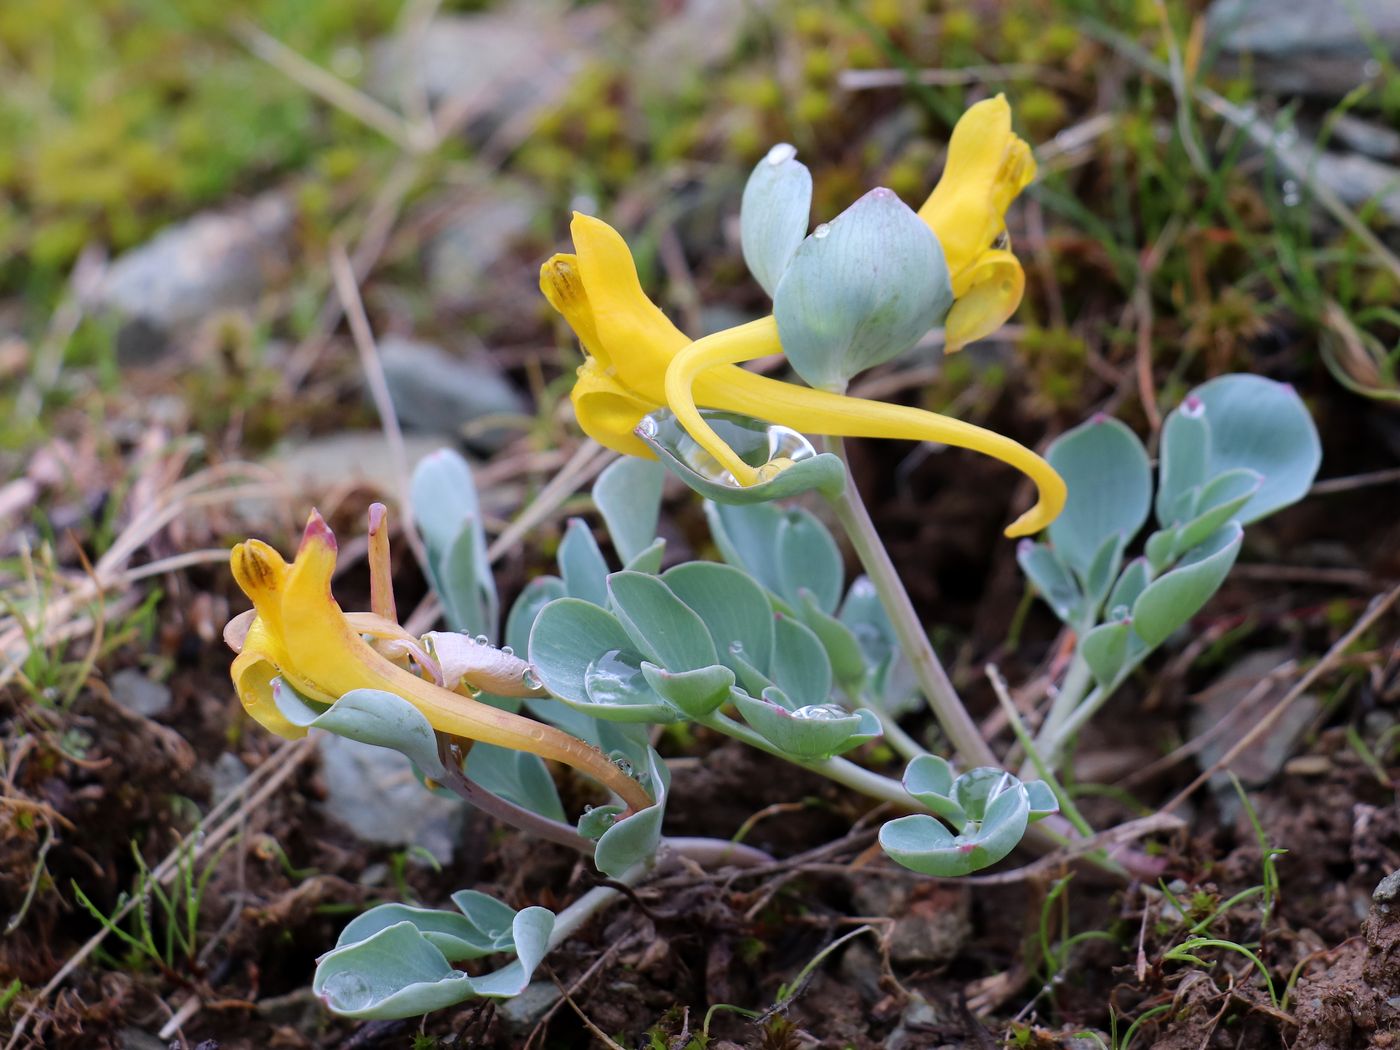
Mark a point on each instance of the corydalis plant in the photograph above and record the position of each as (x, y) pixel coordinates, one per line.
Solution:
(1236, 450)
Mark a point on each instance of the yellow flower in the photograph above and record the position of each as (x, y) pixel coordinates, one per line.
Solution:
(987, 167)
(299, 632)
(638, 362)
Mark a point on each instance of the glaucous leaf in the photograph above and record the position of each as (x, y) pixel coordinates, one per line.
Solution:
(447, 514)
(799, 666)
(534, 596)
(1264, 426)
(632, 840)
(1047, 571)
(808, 731)
(773, 215)
(697, 693)
(1110, 489)
(733, 606)
(808, 559)
(787, 462)
(628, 495)
(843, 650)
(860, 290)
(371, 716)
(1173, 598)
(516, 776)
(397, 971)
(1105, 650)
(582, 564)
(1183, 457)
(1218, 502)
(922, 843)
(585, 658)
(662, 627)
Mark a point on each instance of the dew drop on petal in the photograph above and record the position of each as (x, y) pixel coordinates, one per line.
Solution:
(529, 679)
(507, 651)
(481, 639)
(822, 231)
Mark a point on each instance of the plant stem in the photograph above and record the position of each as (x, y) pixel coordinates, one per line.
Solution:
(937, 688)
(573, 918)
(894, 735)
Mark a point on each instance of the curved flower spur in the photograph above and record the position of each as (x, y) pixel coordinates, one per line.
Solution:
(296, 630)
(856, 292)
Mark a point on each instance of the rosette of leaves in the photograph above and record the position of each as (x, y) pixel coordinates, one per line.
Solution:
(981, 816)
(397, 961)
(642, 647)
(1237, 449)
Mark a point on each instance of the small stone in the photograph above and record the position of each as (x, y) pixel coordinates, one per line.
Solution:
(227, 774)
(915, 1024)
(1240, 698)
(502, 65)
(1306, 47)
(932, 922)
(135, 1039)
(524, 1011)
(436, 392)
(211, 262)
(134, 691)
(372, 791)
(1388, 889)
(475, 238)
(350, 458)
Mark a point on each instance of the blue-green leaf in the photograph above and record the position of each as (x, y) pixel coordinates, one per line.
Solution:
(786, 460)
(662, 627)
(773, 215)
(1110, 489)
(800, 666)
(808, 731)
(582, 564)
(628, 495)
(371, 716)
(1105, 650)
(536, 594)
(398, 970)
(585, 658)
(1184, 458)
(517, 776)
(1218, 502)
(808, 559)
(696, 693)
(861, 290)
(447, 513)
(733, 607)
(1052, 578)
(1172, 599)
(633, 840)
(923, 844)
(1261, 425)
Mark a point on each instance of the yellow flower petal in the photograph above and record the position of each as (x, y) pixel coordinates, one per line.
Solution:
(252, 673)
(987, 167)
(992, 289)
(639, 339)
(562, 284)
(319, 651)
(703, 359)
(608, 412)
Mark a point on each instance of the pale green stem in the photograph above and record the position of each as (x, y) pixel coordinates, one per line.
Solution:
(933, 680)
(904, 744)
(577, 915)
(857, 778)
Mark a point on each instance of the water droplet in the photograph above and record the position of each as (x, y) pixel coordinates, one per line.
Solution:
(1291, 194)
(622, 762)
(821, 713)
(481, 639)
(529, 679)
(781, 153)
(863, 588)
(1119, 612)
(646, 428)
(348, 991)
(822, 231)
(736, 648)
(615, 678)
(507, 651)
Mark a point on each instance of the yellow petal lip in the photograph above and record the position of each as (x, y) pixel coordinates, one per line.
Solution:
(992, 289)
(608, 412)
(306, 639)
(562, 284)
